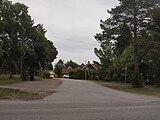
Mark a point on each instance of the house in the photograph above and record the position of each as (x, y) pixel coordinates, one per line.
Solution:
(91, 71)
(67, 70)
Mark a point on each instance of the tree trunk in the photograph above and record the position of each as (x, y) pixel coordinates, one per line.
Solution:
(136, 60)
(31, 74)
(136, 55)
(23, 71)
(0, 2)
(10, 74)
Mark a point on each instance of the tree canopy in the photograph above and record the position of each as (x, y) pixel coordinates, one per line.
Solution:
(71, 64)
(23, 45)
(132, 30)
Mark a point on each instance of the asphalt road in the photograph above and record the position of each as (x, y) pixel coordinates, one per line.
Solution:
(83, 100)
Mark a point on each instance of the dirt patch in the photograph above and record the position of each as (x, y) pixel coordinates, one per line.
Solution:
(112, 85)
(30, 90)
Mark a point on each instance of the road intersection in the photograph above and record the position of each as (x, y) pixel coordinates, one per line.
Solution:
(83, 100)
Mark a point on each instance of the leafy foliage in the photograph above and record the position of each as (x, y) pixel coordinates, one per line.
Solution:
(45, 74)
(58, 68)
(23, 45)
(130, 38)
(71, 64)
(137, 81)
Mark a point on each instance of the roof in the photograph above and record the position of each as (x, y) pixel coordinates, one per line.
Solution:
(67, 70)
(94, 66)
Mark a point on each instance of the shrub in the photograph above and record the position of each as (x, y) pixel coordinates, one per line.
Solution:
(137, 81)
(78, 75)
(45, 74)
(158, 81)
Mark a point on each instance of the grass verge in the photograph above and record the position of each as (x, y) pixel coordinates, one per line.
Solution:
(7, 93)
(4, 80)
(17, 94)
(147, 90)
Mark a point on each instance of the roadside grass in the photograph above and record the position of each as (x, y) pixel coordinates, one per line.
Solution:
(14, 94)
(4, 79)
(7, 93)
(147, 90)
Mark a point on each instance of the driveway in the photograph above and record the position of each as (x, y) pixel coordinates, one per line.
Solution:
(75, 91)
(41, 85)
(83, 100)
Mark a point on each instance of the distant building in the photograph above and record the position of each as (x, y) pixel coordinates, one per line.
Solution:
(91, 71)
(67, 70)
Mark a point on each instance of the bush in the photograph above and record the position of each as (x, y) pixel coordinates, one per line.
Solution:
(78, 75)
(158, 81)
(45, 74)
(137, 81)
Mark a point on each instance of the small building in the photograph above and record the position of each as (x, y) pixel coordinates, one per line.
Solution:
(91, 71)
(66, 71)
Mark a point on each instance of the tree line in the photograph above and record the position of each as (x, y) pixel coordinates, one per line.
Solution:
(60, 65)
(76, 71)
(23, 45)
(130, 39)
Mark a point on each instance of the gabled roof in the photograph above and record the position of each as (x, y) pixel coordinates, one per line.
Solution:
(94, 66)
(67, 70)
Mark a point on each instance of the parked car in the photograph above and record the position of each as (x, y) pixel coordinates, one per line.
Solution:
(65, 76)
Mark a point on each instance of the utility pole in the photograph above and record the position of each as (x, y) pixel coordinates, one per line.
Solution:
(125, 79)
(85, 71)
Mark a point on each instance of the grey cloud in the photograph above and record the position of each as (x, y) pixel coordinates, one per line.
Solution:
(71, 19)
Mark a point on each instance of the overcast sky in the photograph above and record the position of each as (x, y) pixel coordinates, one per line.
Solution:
(71, 25)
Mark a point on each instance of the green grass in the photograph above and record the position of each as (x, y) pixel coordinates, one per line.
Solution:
(147, 90)
(19, 94)
(4, 79)
(14, 94)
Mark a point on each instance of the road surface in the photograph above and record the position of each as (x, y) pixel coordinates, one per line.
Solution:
(83, 100)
